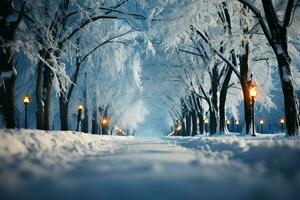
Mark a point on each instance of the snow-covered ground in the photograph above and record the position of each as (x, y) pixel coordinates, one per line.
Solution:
(67, 165)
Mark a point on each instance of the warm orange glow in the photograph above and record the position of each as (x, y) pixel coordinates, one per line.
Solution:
(104, 121)
(26, 100)
(206, 121)
(80, 108)
(178, 127)
(282, 121)
(253, 92)
(261, 122)
(237, 122)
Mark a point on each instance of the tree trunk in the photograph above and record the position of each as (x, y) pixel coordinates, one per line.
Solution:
(183, 132)
(43, 92)
(244, 68)
(214, 111)
(47, 87)
(64, 110)
(291, 104)
(212, 122)
(194, 123)
(278, 39)
(95, 127)
(7, 101)
(201, 123)
(223, 96)
(188, 124)
(64, 100)
(200, 116)
(7, 35)
(39, 97)
(85, 122)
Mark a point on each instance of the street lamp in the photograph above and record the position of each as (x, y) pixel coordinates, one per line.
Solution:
(261, 123)
(205, 125)
(252, 101)
(178, 127)
(282, 121)
(206, 121)
(104, 124)
(228, 123)
(237, 123)
(26, 101)
(79, 113)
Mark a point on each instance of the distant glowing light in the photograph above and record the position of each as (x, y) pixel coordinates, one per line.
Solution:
(80, 108)
(206, 121)
(261, 122)
(26, 100)
(178, 127)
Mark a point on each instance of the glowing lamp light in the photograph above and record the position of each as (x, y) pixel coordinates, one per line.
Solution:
(253, 92)
(80, 108)
(178, 127)
(104, 121)
(227, 122)
(237, 122)
(261, 122)
(26, 100)
(206, 121)
(282, 121)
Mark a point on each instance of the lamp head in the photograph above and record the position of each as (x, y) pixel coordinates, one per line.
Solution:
(104, 121)
(178, 127)
(26, 100)
(80, 108)
(253, 92)
(261, 122)
(282, 121)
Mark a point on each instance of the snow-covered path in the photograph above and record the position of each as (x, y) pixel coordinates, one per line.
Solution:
(81, 166)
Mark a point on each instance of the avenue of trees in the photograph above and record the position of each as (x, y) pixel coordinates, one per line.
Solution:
(223, 45)
(70, 52)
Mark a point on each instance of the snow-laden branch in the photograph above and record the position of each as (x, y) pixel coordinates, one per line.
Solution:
(103, 43)
(260, 18)
(234, 67)
(288, 13)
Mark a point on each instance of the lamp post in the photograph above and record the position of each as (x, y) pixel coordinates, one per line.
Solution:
(237, 124)
(252, 101)
(104, 124)
(79, 113)
(261, 123)
(282, 121)
(26, 102)
(228, 123)
(205, 125)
